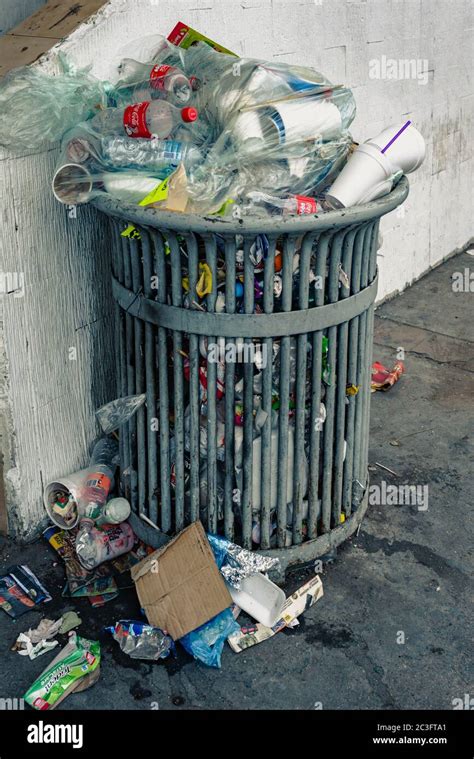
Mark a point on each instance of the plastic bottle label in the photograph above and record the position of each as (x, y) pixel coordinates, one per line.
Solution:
(159, 193)
(134, 120)
(277, 121)
(157, 76)
(98, 480)
(305, 205)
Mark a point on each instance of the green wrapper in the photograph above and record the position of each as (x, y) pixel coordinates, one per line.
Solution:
(82, 657)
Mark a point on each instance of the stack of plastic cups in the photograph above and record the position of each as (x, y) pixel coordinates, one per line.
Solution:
(370, 171)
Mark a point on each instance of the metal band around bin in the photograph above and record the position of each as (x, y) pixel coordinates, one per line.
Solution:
(279, 324)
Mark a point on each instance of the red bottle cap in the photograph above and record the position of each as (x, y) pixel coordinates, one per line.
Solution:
(189, 114)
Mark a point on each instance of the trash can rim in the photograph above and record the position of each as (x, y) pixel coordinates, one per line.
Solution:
(186, 223)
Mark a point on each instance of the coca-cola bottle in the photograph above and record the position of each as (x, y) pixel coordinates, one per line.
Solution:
(149, 81)
(156, 118)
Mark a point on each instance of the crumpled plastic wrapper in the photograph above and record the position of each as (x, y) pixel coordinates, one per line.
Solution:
(237, 563)
(141, 641)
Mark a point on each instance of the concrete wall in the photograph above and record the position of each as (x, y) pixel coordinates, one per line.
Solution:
(51, 397)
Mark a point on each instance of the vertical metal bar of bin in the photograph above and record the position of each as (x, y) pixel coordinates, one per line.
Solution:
(266, 431)
(125, 432)
(247, 468)
(300, 393)
(130, 348)
(127, 349)
(370, 342)
(229, 397)
(361, 396)
(115, 236)
(284, 393)
(162, 360)
(314, 504)
(352, 373)
(117, 271)
(194, 426)
(211, 368)
(366, 377)
(328, 433)
(178, 383)
(151, 428)
(140, 451)
(341, 403)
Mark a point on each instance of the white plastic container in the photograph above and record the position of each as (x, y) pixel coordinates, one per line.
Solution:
(367, 175)
(70, 485)
(129, 187)
(247, 127)
(260, 598)
(297, 120)
(406, 152)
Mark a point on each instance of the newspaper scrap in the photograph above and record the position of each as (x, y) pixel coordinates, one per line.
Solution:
(295, 605)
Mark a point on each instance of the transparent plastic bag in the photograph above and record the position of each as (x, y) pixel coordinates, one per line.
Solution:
(206, 642)
(36, 107)
(152, 48)
(131, 170)
(118, 412)
(276, 127)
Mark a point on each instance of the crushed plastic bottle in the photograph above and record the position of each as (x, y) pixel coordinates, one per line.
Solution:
(143, 81)
(156, 118)
(123, 152)
(141, 641)
(94, 546)
(292, 204)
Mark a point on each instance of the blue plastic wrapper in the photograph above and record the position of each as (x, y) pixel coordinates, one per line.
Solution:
(205, 643)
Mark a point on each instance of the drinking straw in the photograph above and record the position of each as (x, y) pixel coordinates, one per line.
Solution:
(396, 136)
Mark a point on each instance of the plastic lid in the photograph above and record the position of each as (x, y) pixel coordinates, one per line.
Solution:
(189, 114)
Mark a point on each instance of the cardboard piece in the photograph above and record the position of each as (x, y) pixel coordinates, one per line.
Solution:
(179, 585)
(295, 605)
(184, 36)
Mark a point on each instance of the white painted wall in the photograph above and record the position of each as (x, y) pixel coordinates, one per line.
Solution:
(50, 398)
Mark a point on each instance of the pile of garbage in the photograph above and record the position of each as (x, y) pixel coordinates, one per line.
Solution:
(196, 129)
(191, 588)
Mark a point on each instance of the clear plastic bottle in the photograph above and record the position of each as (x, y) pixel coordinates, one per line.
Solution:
(292, 204)
(122, 152)
(156, 118)
(99, 478)
(161, 82)
(94, 546)
(115, 511)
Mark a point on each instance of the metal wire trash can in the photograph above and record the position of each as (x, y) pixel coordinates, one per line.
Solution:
(265, 440)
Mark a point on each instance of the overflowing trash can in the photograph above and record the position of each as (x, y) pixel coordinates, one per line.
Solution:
(252, 340)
